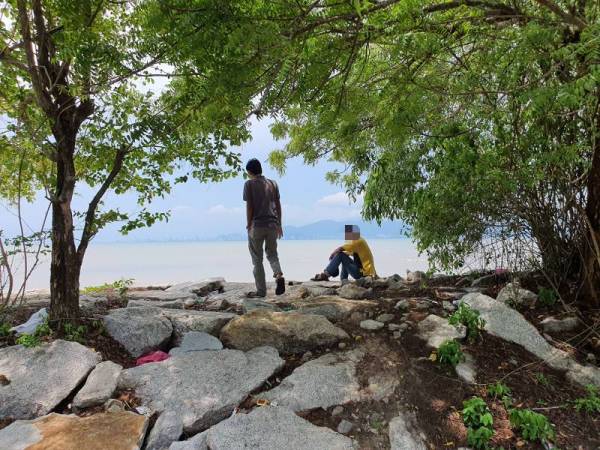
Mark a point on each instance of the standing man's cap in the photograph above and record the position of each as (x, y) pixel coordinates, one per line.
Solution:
(254, 167)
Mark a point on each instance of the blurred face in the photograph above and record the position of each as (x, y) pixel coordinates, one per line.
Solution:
(352, 236)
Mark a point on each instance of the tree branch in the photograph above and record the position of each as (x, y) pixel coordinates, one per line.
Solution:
(90, 216)
(568, 18)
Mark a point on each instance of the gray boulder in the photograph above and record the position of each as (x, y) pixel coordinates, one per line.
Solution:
(41, 377)
(287, 332)
(167, 429)
(415, 277)
(466, 370)
(139, 330)
(514, 295)
(404, 435)
(250, 304)
(353, 292)
(331, 307)
(320, 383)
(436, 330)
(99, 386)
(267, 428)
(196, 341)
(170, 304)
(199, 289)
(202, 388)
(158, 295)
(371, 325)
(210, 322)
(510, 325)
(557, 326)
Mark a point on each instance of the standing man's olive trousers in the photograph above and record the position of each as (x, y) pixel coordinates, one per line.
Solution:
(257, 238)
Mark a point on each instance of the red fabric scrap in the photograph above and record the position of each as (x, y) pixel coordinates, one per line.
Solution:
(152, 357)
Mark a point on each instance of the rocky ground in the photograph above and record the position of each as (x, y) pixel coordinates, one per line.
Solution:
(320, 367)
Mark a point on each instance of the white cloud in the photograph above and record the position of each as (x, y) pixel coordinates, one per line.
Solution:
(339, 199)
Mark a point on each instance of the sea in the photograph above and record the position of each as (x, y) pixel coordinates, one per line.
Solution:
(161, 263)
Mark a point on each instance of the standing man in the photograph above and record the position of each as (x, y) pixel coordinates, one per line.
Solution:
(263, 214)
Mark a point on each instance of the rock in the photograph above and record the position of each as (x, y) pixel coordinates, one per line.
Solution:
(115, 431)
(331, 307)
(232, 294)
(556, 326)
(139, 330)
(404, 435)
(203, 388)
(353, 292)
(287, 332)
(200, 289)
(342, 345)
(591, 358)
(167, 429)
(487, 280)
(436, 330)
(396, 334)
(100, 385)
(513, 295)
(402, 305)
(510, 325)
(382, 385)
(250, 304)
(196, 341)
(323, 382)
(466, 369)
(174, 304)
(449, 306)
(210, 322)
(41, 377)
(344, 427)
(267, 428)
(365, 282)
(113, 405)
(338, 410)
(415, 277)
(393, 326)
(159, 295)
(190, 302)
(384, 318)
(371, 325)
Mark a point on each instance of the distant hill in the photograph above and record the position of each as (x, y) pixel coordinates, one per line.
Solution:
(330, 229)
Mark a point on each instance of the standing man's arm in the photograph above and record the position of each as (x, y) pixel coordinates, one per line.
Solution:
(249, 206)
(279, 215)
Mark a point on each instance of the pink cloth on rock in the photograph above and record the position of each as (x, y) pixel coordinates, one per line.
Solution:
(152, 357)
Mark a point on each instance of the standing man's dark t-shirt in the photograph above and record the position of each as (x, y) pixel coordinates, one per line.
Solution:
(262, 193)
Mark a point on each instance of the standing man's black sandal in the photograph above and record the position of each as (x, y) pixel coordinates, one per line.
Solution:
(280, 286)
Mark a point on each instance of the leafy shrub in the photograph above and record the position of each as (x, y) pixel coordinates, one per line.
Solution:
(450, 353)
(533, 426)
(121, 286)
(480, 437)
(590, 403)
(29, 340)
(498, 390)
(75, 333)
(4, 329)
(547, 297)
(43, 329)
(468, 317)
(479, 422)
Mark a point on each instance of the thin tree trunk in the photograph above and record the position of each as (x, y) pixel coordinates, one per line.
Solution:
(591, 272)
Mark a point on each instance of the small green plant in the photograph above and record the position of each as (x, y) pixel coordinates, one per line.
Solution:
(533, 426)
(468, 317)
(75, 333)
(43, 329)
(479, 422)
(541, 379)
(121, 286)
(4, 329)
(547, 297)
(589, 403)
(450, 353)
(29, 340)
(480, 437)
(498, 390)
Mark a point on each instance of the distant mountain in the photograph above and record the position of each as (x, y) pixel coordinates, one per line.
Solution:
(330, 229)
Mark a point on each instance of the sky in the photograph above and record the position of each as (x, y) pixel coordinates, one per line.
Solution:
(204, 211)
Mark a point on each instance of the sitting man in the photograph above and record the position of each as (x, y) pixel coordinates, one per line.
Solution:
(359, 265)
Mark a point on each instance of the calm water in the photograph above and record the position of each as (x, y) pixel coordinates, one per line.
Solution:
(170, 262)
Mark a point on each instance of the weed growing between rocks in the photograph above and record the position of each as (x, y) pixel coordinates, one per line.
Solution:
(479, 422)
(469, 317)
(449, 353)
(591, 402)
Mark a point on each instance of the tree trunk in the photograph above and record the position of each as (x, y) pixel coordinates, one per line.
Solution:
(591, 254)
(66, 263)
